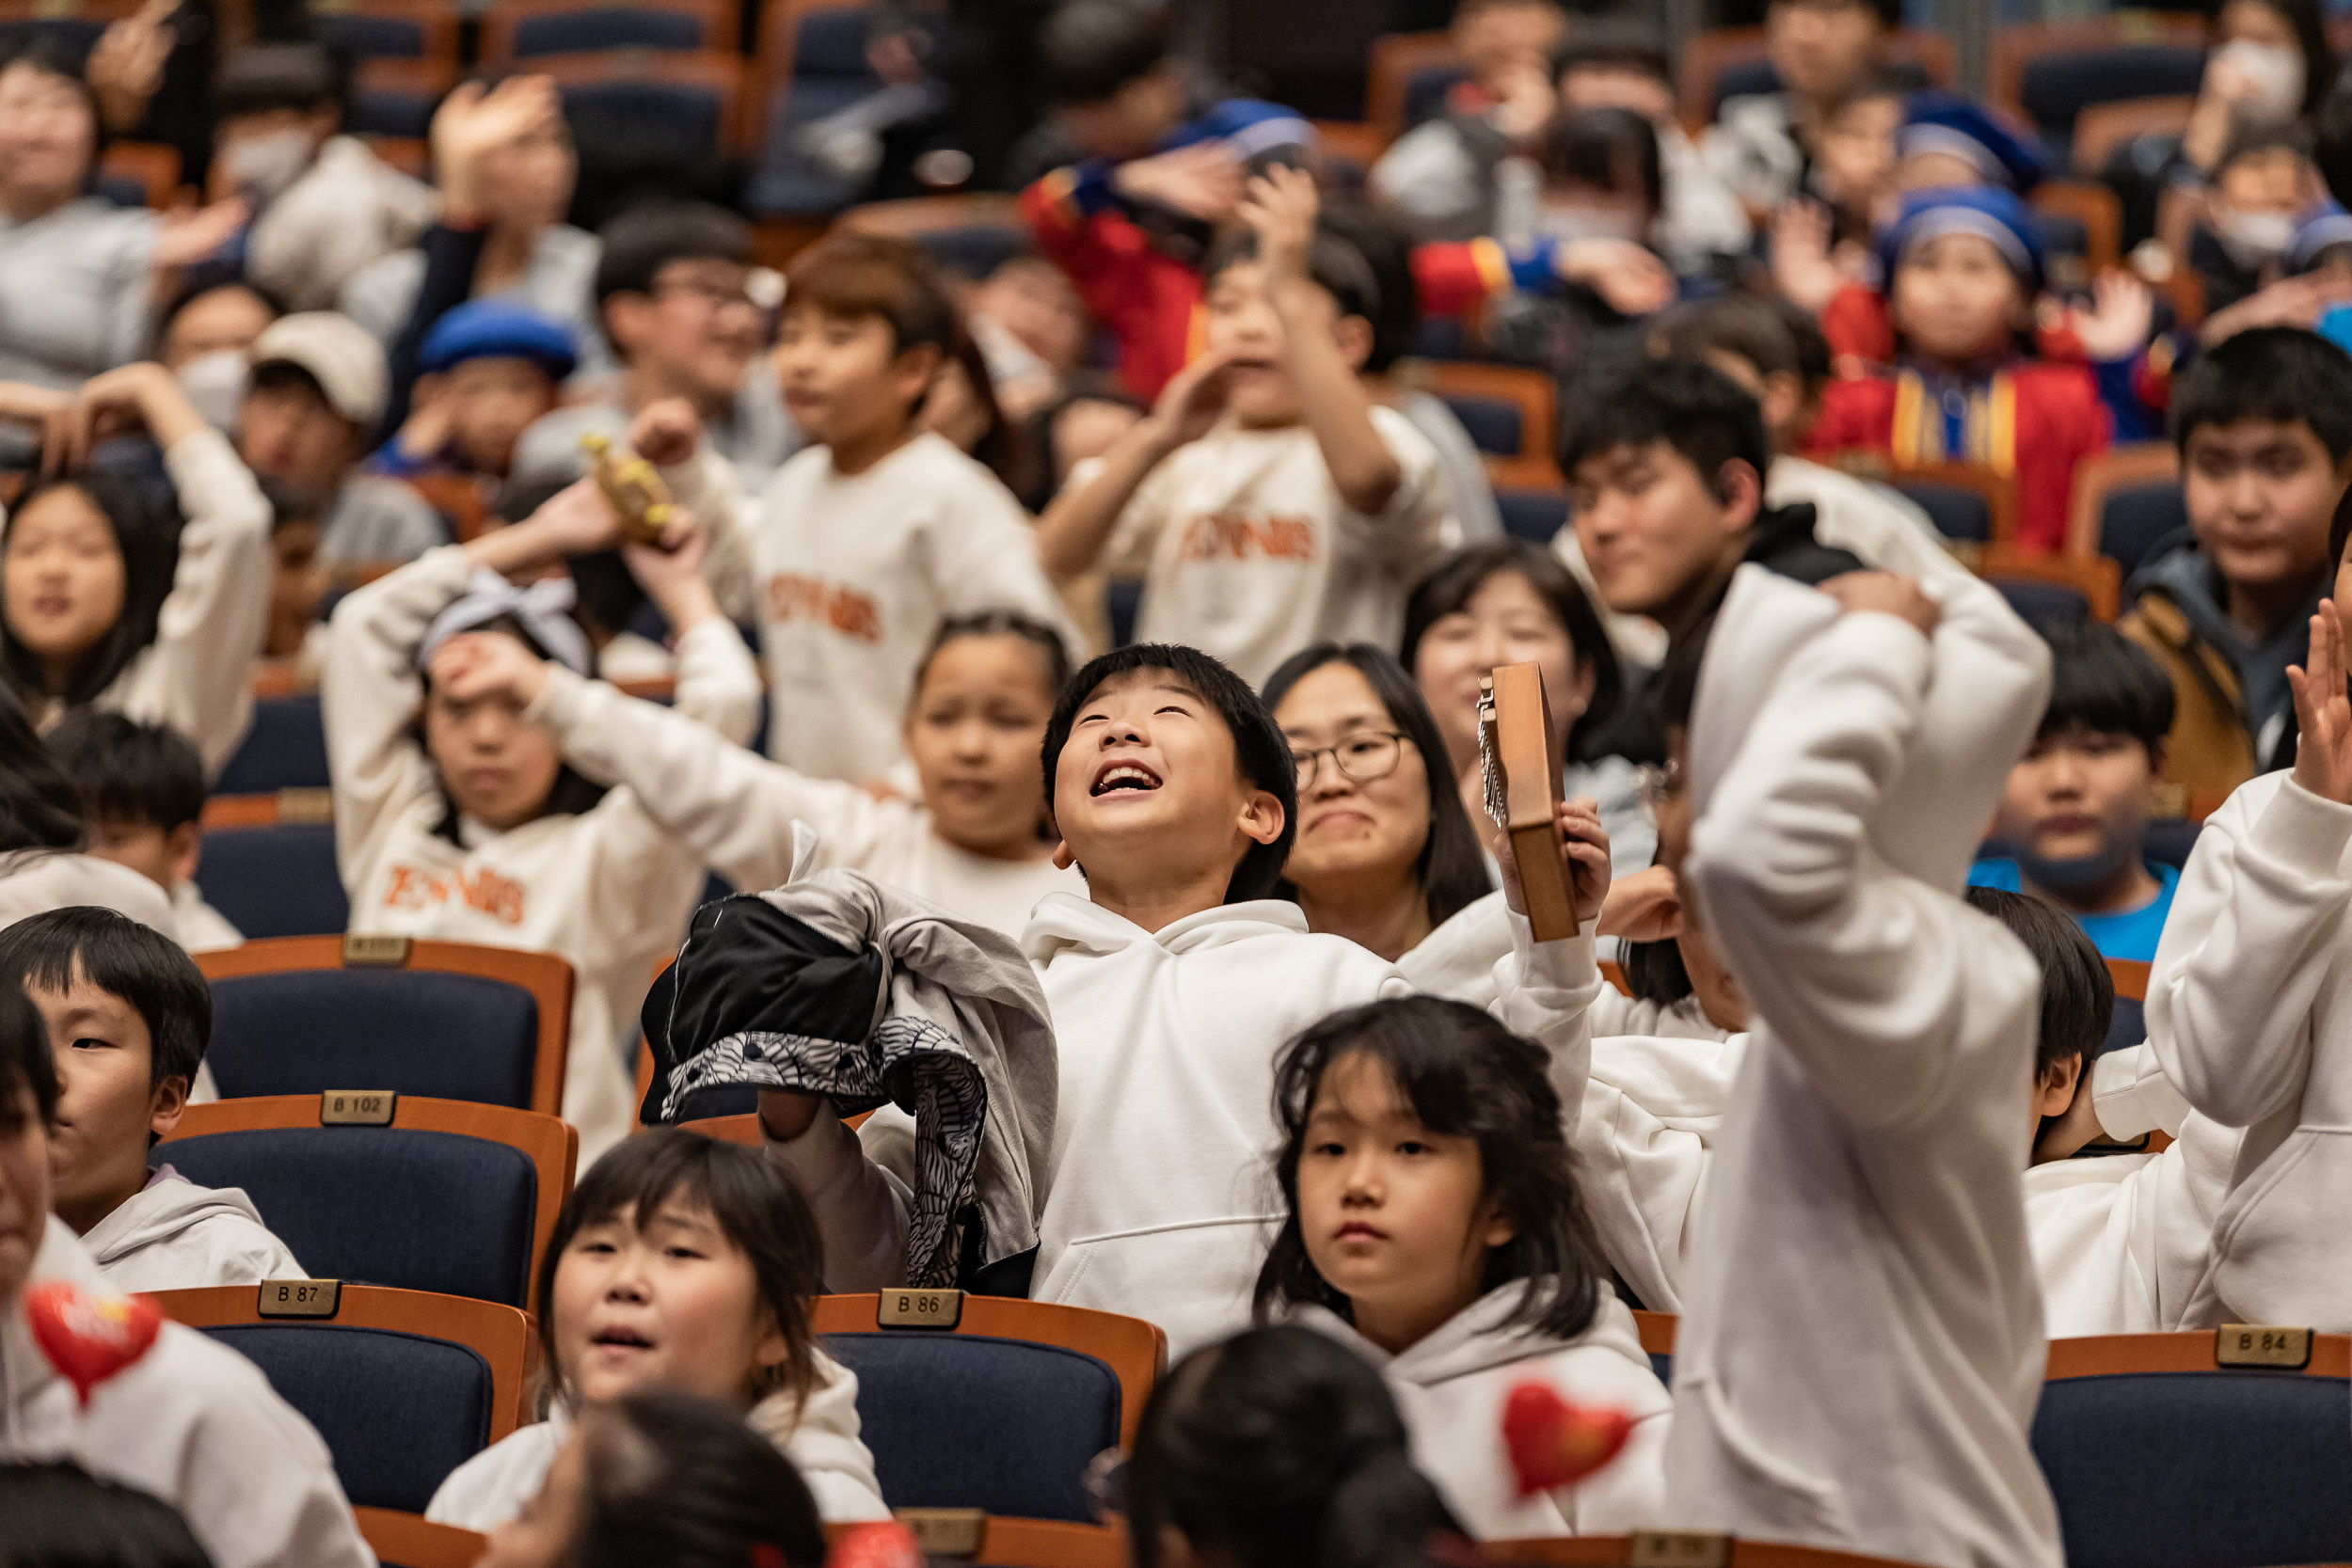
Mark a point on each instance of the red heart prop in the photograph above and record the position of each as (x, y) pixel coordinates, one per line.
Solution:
(89, 1335)
(1554, 1442)
(876, 1546)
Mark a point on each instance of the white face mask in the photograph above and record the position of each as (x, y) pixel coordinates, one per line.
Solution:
(213, 384)
(2276, 71)
(268, 164)
(2254, 239)
(1589, 223)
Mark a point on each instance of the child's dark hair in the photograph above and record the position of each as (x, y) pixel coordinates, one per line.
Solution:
(1704, 415)
(1889, 13)
(1043, 640)
(145, 529)
(1261, 754)
(1462, 1074)
(1334, 264)
(2253, 140)
(1737, 324)
(1654, 971)
(1678, 690)
(1457, 580)
(644, 240)
(27, 1066)
(1387, 249)
(2103, 682)
(130, 772)
(682, 1481)
(263, 78)
(756, 1206)
(122, 958)
(40, 807)
(1609, 150)
(1280, 1447)
(1089, 49)
(853, 274)
(2077, 993)
(2285, 374)
(1451, 870)
(55, 1515)
(1614, 43)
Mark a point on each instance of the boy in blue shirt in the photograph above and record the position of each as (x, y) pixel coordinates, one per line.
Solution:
(2075, 816)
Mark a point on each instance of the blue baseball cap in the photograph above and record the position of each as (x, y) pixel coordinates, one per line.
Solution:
(497, 329)
(2001, 153)
(1988, 210)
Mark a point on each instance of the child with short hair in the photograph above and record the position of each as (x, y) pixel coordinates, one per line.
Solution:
(1267, 503)
(295, 643)
(1454, 175)
(2259, 192)
(1622, 62)
(2075, 816)
(43, 836)
(2263, 423)
(143, 796)
(681, 1263)
(489, 370)
(129, 1018)
(1763, 144)
(189, 1421)
(1434, 1226)
(114, 597)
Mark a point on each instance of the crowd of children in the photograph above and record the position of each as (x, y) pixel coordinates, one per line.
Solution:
(1096, 647)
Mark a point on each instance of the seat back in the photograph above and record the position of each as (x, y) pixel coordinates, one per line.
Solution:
(402, 1386)
(447, 1197)
(1675, 1546)
(934, 1402)
(527, 29)
(411, 1541)
(391, 29)
(972, 235)
(392, 101)
(445, 1020)
(679, 104)
(1657, 1341)
(2125, 499)
(1730, 62)
(2133, 518)
(2053, 588)
(812, 64)
(286, 749)
(1511, 415)
(2051, 71)
(269, 863)
(1534, 515)
(2159, 1456)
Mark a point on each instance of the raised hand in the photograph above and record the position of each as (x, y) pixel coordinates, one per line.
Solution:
(1803, 268)
(476, 666)
(189, 234)
(1193, 398)
(1583, 860)
(128, 398)
(127, 65)
(47, 412)
(472, 121)
(1202, 181)
(1280, 204)
(2322, 712)
(666, 432)
(1645, 906)
(2123, 314)
(1629, 279)
(576, 520)
(1887, 593)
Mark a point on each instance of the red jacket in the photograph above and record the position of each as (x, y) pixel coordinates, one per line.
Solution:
(2045, 418)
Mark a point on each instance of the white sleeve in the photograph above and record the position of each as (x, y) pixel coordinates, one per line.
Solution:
(197, 675)
(2132, 1095)
(987, 559)
(705, 486)
(824, 1447)
(2245, 951)
(258, 1487)
(1545, 991)
(861, 1208)
(718, 680)
(1410, 533)
(1128, 548)
(369, 694)
(1858, 970)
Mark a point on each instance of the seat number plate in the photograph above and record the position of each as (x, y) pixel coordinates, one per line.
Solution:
(2255, 1345)
(300, 1298)
(919, 1309)
(356, 1107)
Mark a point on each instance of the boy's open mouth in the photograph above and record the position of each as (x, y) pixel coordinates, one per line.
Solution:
(617, 1336)
(1124, 775)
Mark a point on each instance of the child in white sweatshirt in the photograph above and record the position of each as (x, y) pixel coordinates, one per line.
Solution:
(129, 1017)
(2249, 1014)
(455, 816)
(1172, 987)
(1435, 1226)
(1267, 502)
(974, 843)
(190, 1421)
(106, 598)
(1861, 1346)
(683, 1264)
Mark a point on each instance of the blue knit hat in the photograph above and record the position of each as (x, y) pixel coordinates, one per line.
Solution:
(2320, 228)
(2001, 153)
(1988, 210)
(496, 328)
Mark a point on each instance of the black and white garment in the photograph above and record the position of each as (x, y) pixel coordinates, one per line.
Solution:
(836, 984)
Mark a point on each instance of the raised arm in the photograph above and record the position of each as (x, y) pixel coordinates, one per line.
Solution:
(1078, 523)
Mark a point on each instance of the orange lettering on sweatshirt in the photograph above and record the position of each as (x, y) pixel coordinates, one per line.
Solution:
(1239, 537)
(792, 596)
(485, 892)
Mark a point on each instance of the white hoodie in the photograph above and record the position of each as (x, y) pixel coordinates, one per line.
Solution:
(34, 881)
(1861, 1346)
(820, 1437)
(1451, 1387)
(192, 1422)
(606, 889)
(2250, 1009)
(174, 1235)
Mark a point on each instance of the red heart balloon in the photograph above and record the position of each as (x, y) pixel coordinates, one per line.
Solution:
(1554, 1442)
(876, 1546)
(89, 1335)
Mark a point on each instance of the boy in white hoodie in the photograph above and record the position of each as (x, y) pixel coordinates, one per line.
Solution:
(190, 1421)
(1861, 1347)
(1171, 986)
(130, 1016)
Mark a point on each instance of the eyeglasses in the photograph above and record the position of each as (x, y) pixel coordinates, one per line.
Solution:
(760, 288)
(1360, 758)
(1660, 783)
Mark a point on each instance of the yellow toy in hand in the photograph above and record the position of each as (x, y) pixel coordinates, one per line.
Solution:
(633, 487)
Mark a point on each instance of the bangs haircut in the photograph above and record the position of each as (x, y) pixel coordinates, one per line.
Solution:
(2284, 374)
(756, 1205)
(1261, 754)
(48, 56)
(1042, 640)
(1333, 264)
(2103, 682)
(130, 772)
(27, 1065)
(1614, 43)
(1451, 870)
(1449, 590)
(122, 958)
(1609, 150)
(1462, 1074)
(2077, 993)
(264, 78)
(851, 275)
(647, 238)
(1691, 407)
(145, 523)
(1089, 49)
(1654, 971)
(1741, 325)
